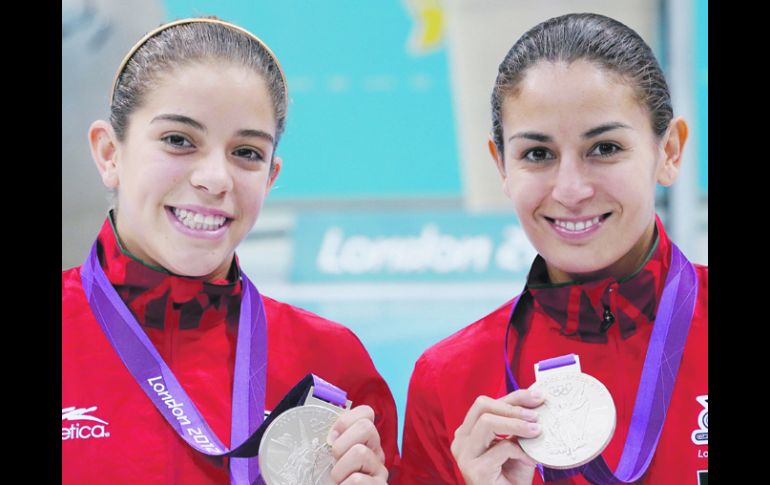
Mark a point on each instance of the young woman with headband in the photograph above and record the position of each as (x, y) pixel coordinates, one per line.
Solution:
(170, 357)
(583, 131)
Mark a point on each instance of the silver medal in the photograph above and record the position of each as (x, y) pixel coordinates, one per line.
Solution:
(293, 450)
(577, 418)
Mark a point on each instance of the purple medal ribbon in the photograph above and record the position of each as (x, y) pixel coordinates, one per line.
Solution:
(328, 392)
(158, 382)
(661, 364)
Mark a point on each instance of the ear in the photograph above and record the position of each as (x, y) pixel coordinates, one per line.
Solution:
(277, 164)
(498, 158)
(103, 142)
(672, 147)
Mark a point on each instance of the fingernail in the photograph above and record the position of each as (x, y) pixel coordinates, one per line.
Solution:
(333, 435)
(534, 427)
(537, 395)
(529, 414)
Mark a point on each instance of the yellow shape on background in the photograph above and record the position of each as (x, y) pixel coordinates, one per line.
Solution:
(428, 31)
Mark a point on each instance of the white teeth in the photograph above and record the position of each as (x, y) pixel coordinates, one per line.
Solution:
(577, 226)
(197, 221)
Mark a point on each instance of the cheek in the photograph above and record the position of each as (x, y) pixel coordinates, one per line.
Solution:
(627, 181)
(636, 192)
(155, 175)
(526, 193)
(251, 194)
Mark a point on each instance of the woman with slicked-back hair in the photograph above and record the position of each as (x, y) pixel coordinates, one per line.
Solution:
(597, 372)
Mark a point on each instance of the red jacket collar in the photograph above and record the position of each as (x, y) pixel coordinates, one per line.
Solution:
(158, 298)
(580, 309)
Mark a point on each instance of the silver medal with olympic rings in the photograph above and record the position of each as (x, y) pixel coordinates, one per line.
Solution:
(577, 419)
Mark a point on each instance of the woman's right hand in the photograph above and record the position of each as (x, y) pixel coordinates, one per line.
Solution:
(485, 445)
(355, 446)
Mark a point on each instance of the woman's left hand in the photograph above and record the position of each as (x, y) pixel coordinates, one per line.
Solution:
(356, 447)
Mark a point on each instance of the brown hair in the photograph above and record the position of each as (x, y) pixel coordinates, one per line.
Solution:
(602, 40)
(186, 41)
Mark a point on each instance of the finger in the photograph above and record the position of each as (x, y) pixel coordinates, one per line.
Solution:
(511, 405)
(501, 452)
(489, 426)
(361, 479)
(505, 455)
(480, 405)
(487, 405)
(358, 459)
(529, 398)
(347, 418)
(520, 413)
(362, 431)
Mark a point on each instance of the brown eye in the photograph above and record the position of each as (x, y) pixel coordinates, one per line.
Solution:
(604, 150)
(177, 141)
(538, 155)
(249, 154)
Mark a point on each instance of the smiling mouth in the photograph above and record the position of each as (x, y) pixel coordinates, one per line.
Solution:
(198, 221)
(578, 226)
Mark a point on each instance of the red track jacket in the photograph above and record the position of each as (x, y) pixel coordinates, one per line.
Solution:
(555, 320)
(112, 433)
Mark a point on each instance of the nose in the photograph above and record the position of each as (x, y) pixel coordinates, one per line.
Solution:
(572, 185)
(211, 174)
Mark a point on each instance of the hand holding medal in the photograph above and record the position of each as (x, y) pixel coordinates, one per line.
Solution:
(482, 456)
(322, 441)
(355, 445)
(564, 420)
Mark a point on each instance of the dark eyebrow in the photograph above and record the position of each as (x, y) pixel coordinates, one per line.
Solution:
(603, 128)
(180, 119)
(199, 126)
(532, 135)
(258, 134)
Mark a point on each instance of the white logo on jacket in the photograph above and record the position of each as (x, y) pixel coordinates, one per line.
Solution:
(701, 435)
(78, 431)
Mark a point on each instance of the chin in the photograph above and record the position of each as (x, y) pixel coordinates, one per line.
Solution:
(198, 269)
(578, 266)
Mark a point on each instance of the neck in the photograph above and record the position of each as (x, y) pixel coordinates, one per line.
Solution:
(126, 248)
(130, 249)
(627, 265)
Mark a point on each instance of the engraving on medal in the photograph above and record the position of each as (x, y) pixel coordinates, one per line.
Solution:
(577, 420)
(294, 449)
